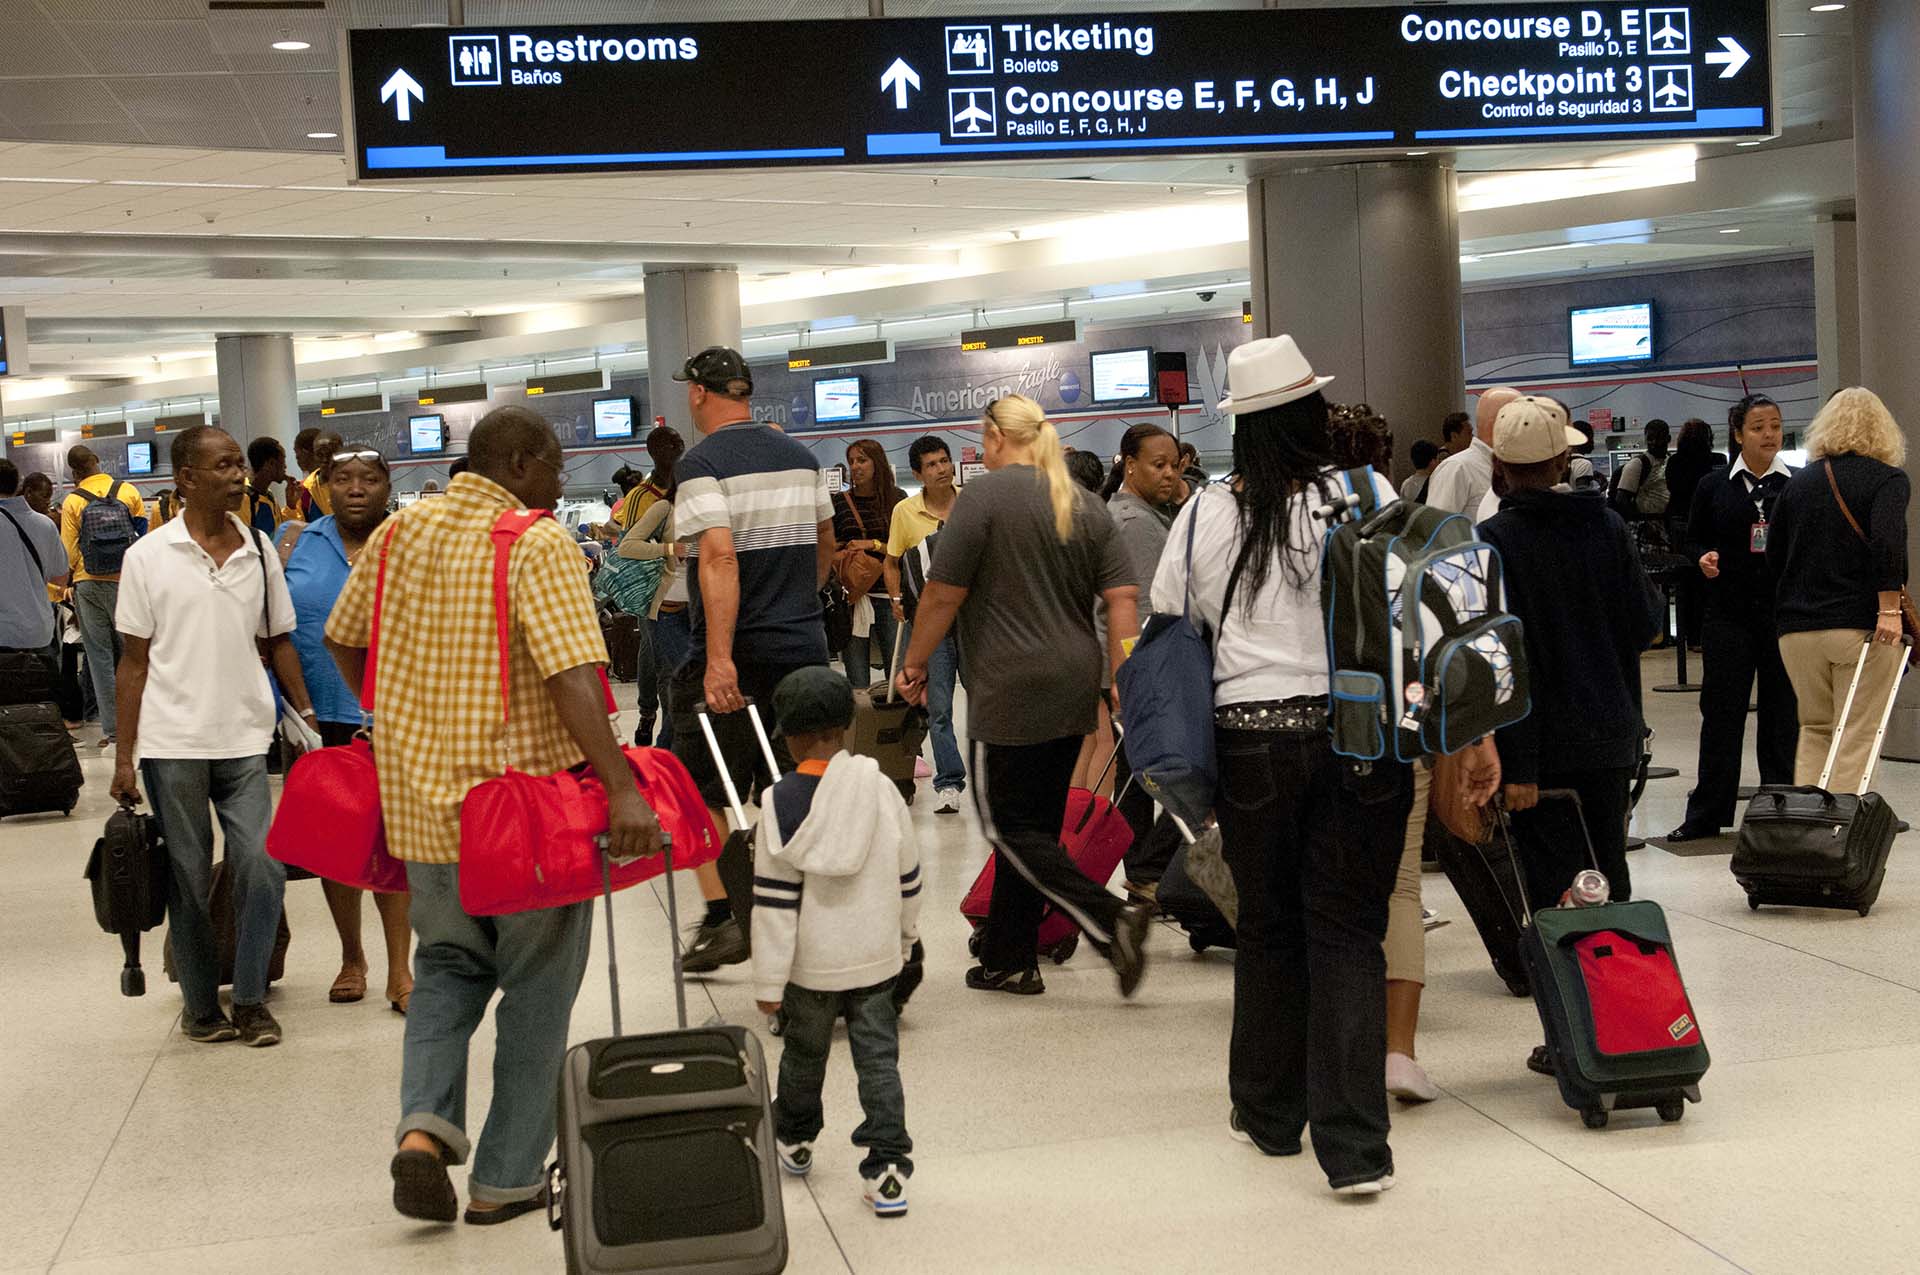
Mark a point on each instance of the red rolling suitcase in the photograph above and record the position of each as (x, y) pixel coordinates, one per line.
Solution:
(1096, 837)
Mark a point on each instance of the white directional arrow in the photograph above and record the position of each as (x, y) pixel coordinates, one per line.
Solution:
(899, 78)
(1731, 55)
(399, 88)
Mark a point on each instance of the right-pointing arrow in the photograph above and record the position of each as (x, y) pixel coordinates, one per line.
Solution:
(898, 77)
(1730, 56)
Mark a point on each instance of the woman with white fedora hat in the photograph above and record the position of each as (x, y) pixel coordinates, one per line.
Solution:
(1313, 840)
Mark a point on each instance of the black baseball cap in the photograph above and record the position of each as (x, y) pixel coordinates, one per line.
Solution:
(714, 367)
(812, 699)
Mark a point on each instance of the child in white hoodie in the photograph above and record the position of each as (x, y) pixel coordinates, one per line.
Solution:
(836, 893)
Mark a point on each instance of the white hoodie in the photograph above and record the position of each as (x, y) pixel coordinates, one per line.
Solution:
(838, 907)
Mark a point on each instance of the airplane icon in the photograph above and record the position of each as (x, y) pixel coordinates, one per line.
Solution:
(1672, 88)
(1673, 34)
(1668, 35)
(1671, 92)
(971, 112)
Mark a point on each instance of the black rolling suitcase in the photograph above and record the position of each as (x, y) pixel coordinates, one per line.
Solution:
(1810, 847)
(39, 769)
(128, 873)
(1620, 1027)
(1495, 896)
(666, 1156)
(622, 634)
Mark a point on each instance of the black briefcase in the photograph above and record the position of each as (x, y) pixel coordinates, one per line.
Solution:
(1806, 846)
(128, 874)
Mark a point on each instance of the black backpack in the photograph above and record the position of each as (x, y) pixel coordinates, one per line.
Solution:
(106, 531)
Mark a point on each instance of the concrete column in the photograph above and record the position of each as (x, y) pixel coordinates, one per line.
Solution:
(258, 393)
(1360, 263)
(1886, 159)
(688, 309)
(1836, 303)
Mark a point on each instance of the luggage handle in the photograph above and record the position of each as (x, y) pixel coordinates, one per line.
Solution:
(673, 930)
(1580, 814)
(1505, 825)
(1846, 713)
(734, 805)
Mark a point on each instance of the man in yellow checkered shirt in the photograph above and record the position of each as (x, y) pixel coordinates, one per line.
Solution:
(437, 733)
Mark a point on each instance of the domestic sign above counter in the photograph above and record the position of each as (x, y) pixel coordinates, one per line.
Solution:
(518, 100)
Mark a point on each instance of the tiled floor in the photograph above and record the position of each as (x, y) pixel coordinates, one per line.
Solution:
(1069, 1133)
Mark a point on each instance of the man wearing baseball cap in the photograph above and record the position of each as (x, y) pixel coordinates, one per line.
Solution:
(1573, 577)
(754, 511)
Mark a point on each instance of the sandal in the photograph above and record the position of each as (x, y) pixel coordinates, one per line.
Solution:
(348, 987)
(398, 1004)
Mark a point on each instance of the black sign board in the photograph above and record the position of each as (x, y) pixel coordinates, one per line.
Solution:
(846, 354)
(568, 382)
(1011, 338)
(161, 424)
(354, 405)
(439, 395)
(515, 100)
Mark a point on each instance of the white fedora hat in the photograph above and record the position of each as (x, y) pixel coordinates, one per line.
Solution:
(1267, 373)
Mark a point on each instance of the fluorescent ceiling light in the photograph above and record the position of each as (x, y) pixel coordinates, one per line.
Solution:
(1826, 8)
(321, 137)
(1631, 170)
(1417, 154)
(291, 46)
(1746, 143)
(1730, 230)
(1468, 258)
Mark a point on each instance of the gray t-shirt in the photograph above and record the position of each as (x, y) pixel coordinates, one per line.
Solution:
(1028, 654)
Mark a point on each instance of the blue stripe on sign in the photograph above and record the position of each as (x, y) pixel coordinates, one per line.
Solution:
(436, 157)
(933, 144)
(1703, 121)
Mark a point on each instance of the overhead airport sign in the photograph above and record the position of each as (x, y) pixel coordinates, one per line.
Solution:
(846, 354)
(1020, 336)
(517, 100)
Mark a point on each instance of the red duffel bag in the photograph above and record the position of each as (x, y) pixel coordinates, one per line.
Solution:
(329, 819)
(532, 841)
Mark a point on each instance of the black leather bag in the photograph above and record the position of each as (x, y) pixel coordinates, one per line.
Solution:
(128, 874)
(1808, 847)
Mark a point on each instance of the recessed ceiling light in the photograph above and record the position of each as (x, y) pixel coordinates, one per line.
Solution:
(1826, 8)
(321, 137)
(1730, 230)
(291, 46)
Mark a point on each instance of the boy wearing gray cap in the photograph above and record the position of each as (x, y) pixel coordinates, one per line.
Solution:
(836, 893)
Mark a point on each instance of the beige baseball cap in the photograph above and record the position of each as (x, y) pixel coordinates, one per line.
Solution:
(1530, 430)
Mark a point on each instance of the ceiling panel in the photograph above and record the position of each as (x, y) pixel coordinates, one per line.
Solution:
(168, 49)
(29, 46)
(32, 104)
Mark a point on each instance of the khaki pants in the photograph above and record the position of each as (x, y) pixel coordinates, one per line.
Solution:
(1406, 945)
(1820, 665)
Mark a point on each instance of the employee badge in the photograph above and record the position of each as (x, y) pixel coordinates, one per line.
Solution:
(1757, 538)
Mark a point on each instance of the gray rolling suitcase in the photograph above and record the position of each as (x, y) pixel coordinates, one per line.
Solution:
(666, 1158)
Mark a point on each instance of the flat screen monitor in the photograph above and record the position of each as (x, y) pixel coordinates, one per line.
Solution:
(1123, 376)
(1611, 334)
(139, 459)
(426, 435)
(612, 418)
(836, 400)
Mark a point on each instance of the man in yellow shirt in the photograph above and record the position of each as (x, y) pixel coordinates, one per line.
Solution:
(313, 448)
(95, 547)
(915, 520)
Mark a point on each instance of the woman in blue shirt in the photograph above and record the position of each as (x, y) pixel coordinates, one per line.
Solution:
(360, 485)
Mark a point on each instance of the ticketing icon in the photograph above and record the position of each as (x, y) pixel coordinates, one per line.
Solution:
(1669, 32)
(1669, 88)
(474, 60)
(969, 50)
(971, 113)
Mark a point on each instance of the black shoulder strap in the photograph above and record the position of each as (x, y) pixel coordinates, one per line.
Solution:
(26, 540)
(266, 580)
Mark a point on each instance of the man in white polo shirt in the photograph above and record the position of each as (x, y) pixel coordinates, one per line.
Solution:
(197, 598)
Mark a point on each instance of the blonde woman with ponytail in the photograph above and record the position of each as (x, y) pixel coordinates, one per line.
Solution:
(1018, 567)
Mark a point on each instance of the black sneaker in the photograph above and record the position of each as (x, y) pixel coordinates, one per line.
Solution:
(724, 943)
(1541, 1060)
(1018, 982)
(211, 1030)
(255, 1025)
(1240, 1133)
(1129, 950)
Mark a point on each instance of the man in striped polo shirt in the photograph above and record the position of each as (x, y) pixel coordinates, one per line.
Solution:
(754, 508)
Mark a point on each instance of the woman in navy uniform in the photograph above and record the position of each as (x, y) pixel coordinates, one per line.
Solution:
(1727, 537)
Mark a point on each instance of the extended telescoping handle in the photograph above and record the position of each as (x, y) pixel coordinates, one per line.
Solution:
(1846, 715)
(673, 931)
(1505, 824)
(893, 667)
(734, 805)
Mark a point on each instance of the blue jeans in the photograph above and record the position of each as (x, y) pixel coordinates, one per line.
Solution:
(943, 674)
(873, 1034)
(535, 959)
(858, 658)
(186, 792)
(93, 604)
(672, 636)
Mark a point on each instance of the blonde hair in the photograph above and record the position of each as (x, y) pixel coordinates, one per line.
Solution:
(1022, 422)
(1855, 420)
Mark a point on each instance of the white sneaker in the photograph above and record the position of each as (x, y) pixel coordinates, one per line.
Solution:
(1373, 1186)
(887, 1193)
(795, 1157)
(1431, 920)
(949, 802)
(1407, 1080)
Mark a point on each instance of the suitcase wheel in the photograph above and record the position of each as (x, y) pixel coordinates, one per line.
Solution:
(1197, 943)
(1866, 909)
(1671, 1109)
(1594, 1118)
(1060, 953)
(973, 944)
(1753, 903)
(133, 981)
